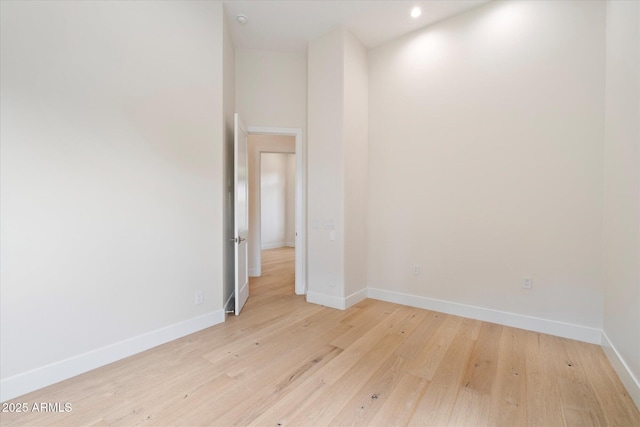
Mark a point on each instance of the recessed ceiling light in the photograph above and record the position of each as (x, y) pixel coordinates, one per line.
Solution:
(242, 19)
(415, 12)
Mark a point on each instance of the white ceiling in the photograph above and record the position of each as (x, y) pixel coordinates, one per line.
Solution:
(288, 25)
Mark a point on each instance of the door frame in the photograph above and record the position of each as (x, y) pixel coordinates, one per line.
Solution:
(301, 197)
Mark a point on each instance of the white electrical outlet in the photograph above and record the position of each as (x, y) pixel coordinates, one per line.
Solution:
(527, 282)
(199, 298)
(416, 270)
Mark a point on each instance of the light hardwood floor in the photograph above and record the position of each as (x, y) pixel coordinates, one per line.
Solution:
(286, 362)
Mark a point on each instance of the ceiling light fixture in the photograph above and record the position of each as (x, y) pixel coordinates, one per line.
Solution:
(415, 12)
(242, 19)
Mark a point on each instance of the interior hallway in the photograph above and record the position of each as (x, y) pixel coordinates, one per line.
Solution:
(278, 274)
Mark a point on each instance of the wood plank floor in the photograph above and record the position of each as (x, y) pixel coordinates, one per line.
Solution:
(287, 362)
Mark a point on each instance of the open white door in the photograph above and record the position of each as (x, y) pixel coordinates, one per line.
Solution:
(241, 220)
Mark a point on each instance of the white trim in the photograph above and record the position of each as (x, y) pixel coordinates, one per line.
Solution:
(35, 379)
(275, 245)
(326, 300)
(551, 327)
(255, 272)
(336, 302)
(290, 244)
(355, 298)
(629, 380)
(301, 212)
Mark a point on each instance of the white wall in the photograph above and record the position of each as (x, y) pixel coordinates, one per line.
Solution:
(277, 193)
(271, 88)
(290, 206)
(622, 193)
(356, 143)
(111, 181)
(337, 169)
(259, 144)
(486, 141)
(325, 178)
(272, 199)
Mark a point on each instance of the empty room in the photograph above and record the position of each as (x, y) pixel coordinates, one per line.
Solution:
(315, 213)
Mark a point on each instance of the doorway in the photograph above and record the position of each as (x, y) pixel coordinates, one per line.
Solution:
(277, 200)
(267, 141)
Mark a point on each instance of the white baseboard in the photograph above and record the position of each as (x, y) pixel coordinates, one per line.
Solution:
(35, 379)
(266, 246)
(336, 302)
(273, 245)
(355, 298)
(255, 272)
(629, 381)
(530, 323)
(326, 300)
